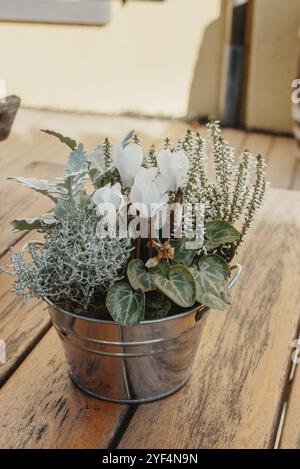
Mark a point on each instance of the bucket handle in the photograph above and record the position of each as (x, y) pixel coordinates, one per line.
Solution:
(236, 276)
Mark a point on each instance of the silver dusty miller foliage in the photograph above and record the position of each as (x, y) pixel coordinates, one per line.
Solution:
(72, 263)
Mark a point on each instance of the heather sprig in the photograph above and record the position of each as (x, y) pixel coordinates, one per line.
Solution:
(150, 159)
(107, 153)
(256, 196)
(241, 189)
(223, 156)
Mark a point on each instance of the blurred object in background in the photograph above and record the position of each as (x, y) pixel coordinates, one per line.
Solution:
(273, 47)
(296, 106)
(236, 55)
(96, 12)
(174, 59)
(8, 109)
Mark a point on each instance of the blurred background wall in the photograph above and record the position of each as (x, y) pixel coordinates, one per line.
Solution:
(157, 58)
(142, 61)
(272, 64)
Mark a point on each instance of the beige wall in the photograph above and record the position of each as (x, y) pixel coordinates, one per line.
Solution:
(153, 58)
(274, 45)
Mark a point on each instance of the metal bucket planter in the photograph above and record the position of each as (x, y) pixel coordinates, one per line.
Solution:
(130, 364)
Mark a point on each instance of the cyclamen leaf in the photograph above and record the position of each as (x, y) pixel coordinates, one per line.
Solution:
(67, 140)
(28, 224)
(182, 253)
(162, 268)
(125, 305)
(218, 232)
(139, 277)
(179, 287)
(211, 282)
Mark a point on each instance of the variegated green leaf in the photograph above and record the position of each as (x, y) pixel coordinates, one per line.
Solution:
(28, 224)
(139, 277)
(125, 305)
(218, 232)
(67, 140)
(182, 253)
(162, 268)
(211, 278)
(179, 287)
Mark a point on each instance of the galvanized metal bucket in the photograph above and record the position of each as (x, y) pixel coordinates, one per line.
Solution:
(130, 364)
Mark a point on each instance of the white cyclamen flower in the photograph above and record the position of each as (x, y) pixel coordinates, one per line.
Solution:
(146, 195)
(173, 169)
(128, 161)
(108, 195)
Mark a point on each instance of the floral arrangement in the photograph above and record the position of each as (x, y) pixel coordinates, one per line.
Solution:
(137, 236)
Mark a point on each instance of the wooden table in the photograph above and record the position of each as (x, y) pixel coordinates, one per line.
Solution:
(244, 381)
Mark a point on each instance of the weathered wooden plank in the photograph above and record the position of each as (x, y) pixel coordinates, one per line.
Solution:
(22, 202)
(17, 152)
(234, 397)
(20, 327)
(41, 408)
(296, 176)
(281, 162)
(290, 437)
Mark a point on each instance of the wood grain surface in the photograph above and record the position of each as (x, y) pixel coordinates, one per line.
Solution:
(281, 162)
(21, 327)
(234, 397)
(41, 408)
(290, 437)
(243, 364)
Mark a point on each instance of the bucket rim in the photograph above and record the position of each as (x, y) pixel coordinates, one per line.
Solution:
(196, 309)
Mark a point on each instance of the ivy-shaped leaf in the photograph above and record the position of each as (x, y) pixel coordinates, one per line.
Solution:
(218, 232)
(139, 277)
(67, 140)
(211, 278)
(179, 287)
(125, 305)
(182, 253)
(162, 268)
